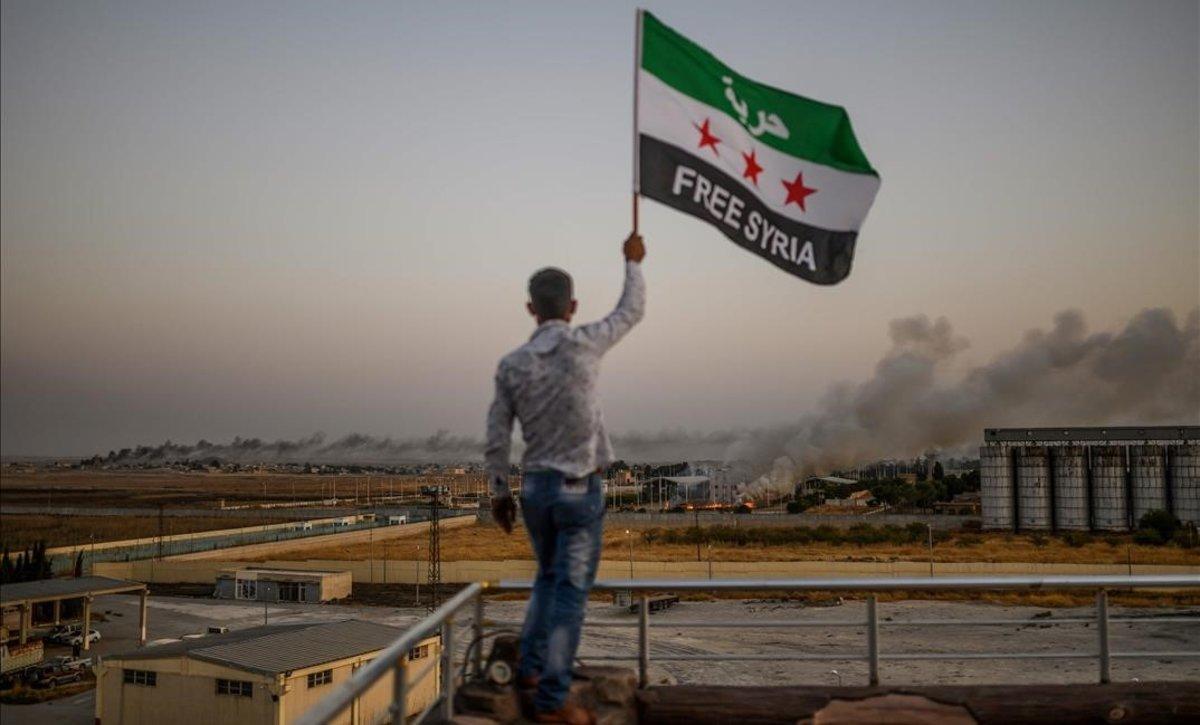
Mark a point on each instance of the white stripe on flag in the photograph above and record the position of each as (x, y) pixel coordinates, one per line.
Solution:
(841, 200)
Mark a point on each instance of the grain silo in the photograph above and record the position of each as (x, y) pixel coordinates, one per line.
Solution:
(1069, 466)
(996, 487)
(1148, 475)
(1103, 479)
(1033, 488)
(1184, 464)
(1108, 489)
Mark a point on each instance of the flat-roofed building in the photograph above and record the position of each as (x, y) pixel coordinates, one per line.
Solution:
(283, 585)
(266, 675)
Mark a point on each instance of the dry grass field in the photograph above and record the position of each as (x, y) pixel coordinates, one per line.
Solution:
(56, 488)
(20, 531)
(484, 543)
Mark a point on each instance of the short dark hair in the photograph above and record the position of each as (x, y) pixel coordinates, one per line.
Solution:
(550, 292)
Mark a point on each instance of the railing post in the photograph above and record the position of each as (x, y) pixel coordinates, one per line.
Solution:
(1102, 628)
(400, 690)
(643, 640)
(872, 642)
(448, 668)
(477, 635)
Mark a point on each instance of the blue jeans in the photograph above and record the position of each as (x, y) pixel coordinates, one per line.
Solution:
(566, 524)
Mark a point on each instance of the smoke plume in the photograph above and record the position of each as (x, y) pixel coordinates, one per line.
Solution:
(1143, 374)
(353, 448)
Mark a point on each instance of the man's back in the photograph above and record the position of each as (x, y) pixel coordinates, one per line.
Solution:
(549, 384)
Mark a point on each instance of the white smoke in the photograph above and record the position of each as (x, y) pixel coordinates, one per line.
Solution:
(1144, 374)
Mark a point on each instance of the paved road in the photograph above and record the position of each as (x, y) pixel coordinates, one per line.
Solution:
(74, 710)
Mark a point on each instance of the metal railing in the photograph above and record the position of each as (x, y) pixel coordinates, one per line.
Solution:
(394, 660)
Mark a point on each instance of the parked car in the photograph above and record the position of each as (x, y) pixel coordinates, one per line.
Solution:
(58, 671)
(72, 636)
(76, 639)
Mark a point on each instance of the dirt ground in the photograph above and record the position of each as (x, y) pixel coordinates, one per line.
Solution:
(20, 531)
(487, 543)
(40, 487)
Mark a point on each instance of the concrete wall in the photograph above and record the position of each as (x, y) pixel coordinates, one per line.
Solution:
(184, 695)
(132, 543)
(372, 706)
(358, 536)
(408, 571)
(839, 521)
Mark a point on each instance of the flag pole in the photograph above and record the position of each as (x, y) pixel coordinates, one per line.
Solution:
(637, 65)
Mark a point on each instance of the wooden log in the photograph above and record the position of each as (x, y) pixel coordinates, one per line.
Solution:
(1133, 702)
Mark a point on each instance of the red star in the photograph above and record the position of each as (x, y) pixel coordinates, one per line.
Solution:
(797, 191)
(706, 138)
(752, 168)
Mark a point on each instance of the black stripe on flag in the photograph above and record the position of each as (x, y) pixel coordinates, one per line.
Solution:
(682, 181)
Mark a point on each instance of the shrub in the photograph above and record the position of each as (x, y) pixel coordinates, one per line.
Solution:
(1187, 537)
(1148, 536)
(1160, 521)
(966, 540)
(1076, 539)
(1038, 540)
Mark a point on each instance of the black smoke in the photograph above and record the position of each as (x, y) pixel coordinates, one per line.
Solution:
(1146, 373)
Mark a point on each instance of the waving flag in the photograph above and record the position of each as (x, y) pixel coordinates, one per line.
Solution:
(779, 174)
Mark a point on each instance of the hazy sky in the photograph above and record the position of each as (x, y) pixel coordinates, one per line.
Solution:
(270, 219)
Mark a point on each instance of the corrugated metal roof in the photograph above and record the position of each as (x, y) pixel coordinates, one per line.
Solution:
(272, 649)
(63, 588)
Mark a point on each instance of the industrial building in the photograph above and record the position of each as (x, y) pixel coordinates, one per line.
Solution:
(267, 675)
(1088, 479)
(678, 490)
(283, 585)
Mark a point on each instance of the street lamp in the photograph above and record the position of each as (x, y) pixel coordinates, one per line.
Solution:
(629, 535)
(929, 527)
(417, 574)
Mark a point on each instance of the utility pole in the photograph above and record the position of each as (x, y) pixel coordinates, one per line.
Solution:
(435, 543)
(161, 523)
(629, 535)
(417, 573)
(929, 527)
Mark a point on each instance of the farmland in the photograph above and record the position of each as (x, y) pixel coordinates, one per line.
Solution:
(20, 531)
(487, 543)
(56, 488)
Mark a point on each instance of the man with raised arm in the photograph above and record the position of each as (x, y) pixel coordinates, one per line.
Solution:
(549, 384)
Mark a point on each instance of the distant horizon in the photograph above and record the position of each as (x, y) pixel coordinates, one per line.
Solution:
(275, 218)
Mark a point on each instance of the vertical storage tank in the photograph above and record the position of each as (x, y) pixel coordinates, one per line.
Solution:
(1108, 488)
(1149, 480)
(996, 494)
(1185, 482)
(1070, 488)
(1033, 488)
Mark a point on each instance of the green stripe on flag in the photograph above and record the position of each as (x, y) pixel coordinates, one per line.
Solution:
(798, 126)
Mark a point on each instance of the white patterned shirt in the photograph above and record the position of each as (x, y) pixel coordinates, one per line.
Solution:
(549, 384)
